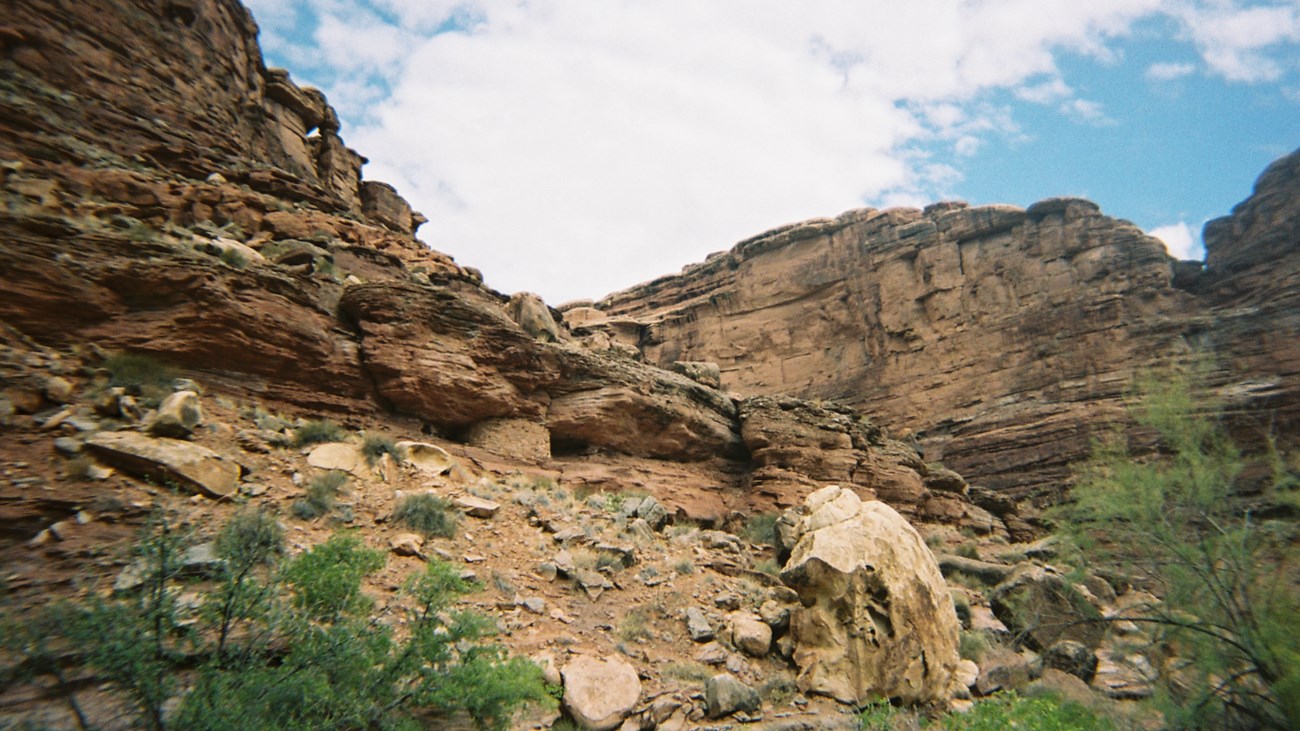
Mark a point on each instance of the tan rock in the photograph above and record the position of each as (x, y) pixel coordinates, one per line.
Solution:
(476, 507)
(875, 618)
(188, 465)
(427, 457)
(407, 544)
(599, 693)
(177, 416)
(531, 313)
(525, 439)
(750, 633)
(341, 456)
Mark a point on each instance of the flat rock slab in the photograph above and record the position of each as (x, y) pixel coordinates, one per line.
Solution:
(189, 466)
(476, 507)
(339, 456)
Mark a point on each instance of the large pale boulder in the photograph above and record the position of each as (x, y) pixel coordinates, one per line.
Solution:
(177, 416)
(875, 620)
(598, 693)
(189, 466)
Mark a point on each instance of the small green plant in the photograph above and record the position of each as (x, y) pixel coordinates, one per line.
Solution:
(79, 469)
(635, 626)
(688, 672)
(142, 232)
(684, 567)
(760, 529)
(318, 431)
(427, 514)
(232, 257)
(768, 566)
(142, 373)
(972, 645)
(968, 550)
(877, 716)
(322, 492)
(375, 446)
(1010, 711)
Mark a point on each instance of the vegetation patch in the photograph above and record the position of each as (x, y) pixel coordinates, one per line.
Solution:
(427, 514)
(318, 431)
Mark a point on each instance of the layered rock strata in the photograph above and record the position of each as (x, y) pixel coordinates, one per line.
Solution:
(1007, 337)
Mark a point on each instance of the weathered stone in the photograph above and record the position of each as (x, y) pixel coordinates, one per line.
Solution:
(698, 625)
(525, 439)
(177, 416)
(342, 456)
(598, 693)
(725, 695)
(1041, 607)
(750, 633)
(476, 507)
(706, 373)
(427, 457)
(188, 465)
(1005, 672)
(1072, 657)
(531, 313)
(407, 544)
(876, 619)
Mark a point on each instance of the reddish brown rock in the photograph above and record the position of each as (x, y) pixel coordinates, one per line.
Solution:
(1006, 337)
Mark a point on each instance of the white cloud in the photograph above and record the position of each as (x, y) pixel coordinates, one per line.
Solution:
(1169, 71)
(574, 147)
(1180, 240)
(1240, 43)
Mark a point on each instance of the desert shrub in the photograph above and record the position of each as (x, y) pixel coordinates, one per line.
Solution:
(427, 514)
(318, 431)
(1175, 524)
(877, 716)
(376, 446)
(142, 374)
(688, 672)
(768, 566)
(634, 626)
(684, 567)
(972, 644)
(233, 258)
(760, 529)
(1008, 710)
(307, 656)
(320, 495)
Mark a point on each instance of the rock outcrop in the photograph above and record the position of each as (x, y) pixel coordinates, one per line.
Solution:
(876, 619)
(1005, 337)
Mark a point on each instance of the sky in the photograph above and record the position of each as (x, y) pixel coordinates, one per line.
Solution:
(577, 147)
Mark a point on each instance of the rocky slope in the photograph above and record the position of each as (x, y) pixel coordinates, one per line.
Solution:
(1006, 338)
(168, 197)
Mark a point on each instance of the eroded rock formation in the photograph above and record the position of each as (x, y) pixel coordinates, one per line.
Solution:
(1005, 337)
(876, 620)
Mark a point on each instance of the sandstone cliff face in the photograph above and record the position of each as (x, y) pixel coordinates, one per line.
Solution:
(1006, 337)
(165, 193)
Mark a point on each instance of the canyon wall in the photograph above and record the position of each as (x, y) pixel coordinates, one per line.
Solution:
(1006, 338)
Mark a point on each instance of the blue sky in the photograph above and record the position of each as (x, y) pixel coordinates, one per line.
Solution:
(575, 147)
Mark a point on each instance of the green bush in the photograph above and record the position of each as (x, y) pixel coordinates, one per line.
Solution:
(1010, 711)
(760, 529)
(427, 514)
(376, 446)
(321, 494)
(1175, 524)
(318, 431)
(140, 373)
(296, 651)
(233, 258)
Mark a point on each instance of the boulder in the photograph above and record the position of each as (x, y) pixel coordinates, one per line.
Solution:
(1041, 607)
(725, 695)
(169, 460)
(531, 313)
(698, 625)
(427, 457)
(1072, 657)
(598, 693)
(875, 618)
(476, 507)
(339, 456)
(524, 439)
(706, 373)
(750, 633)
(177, 416)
